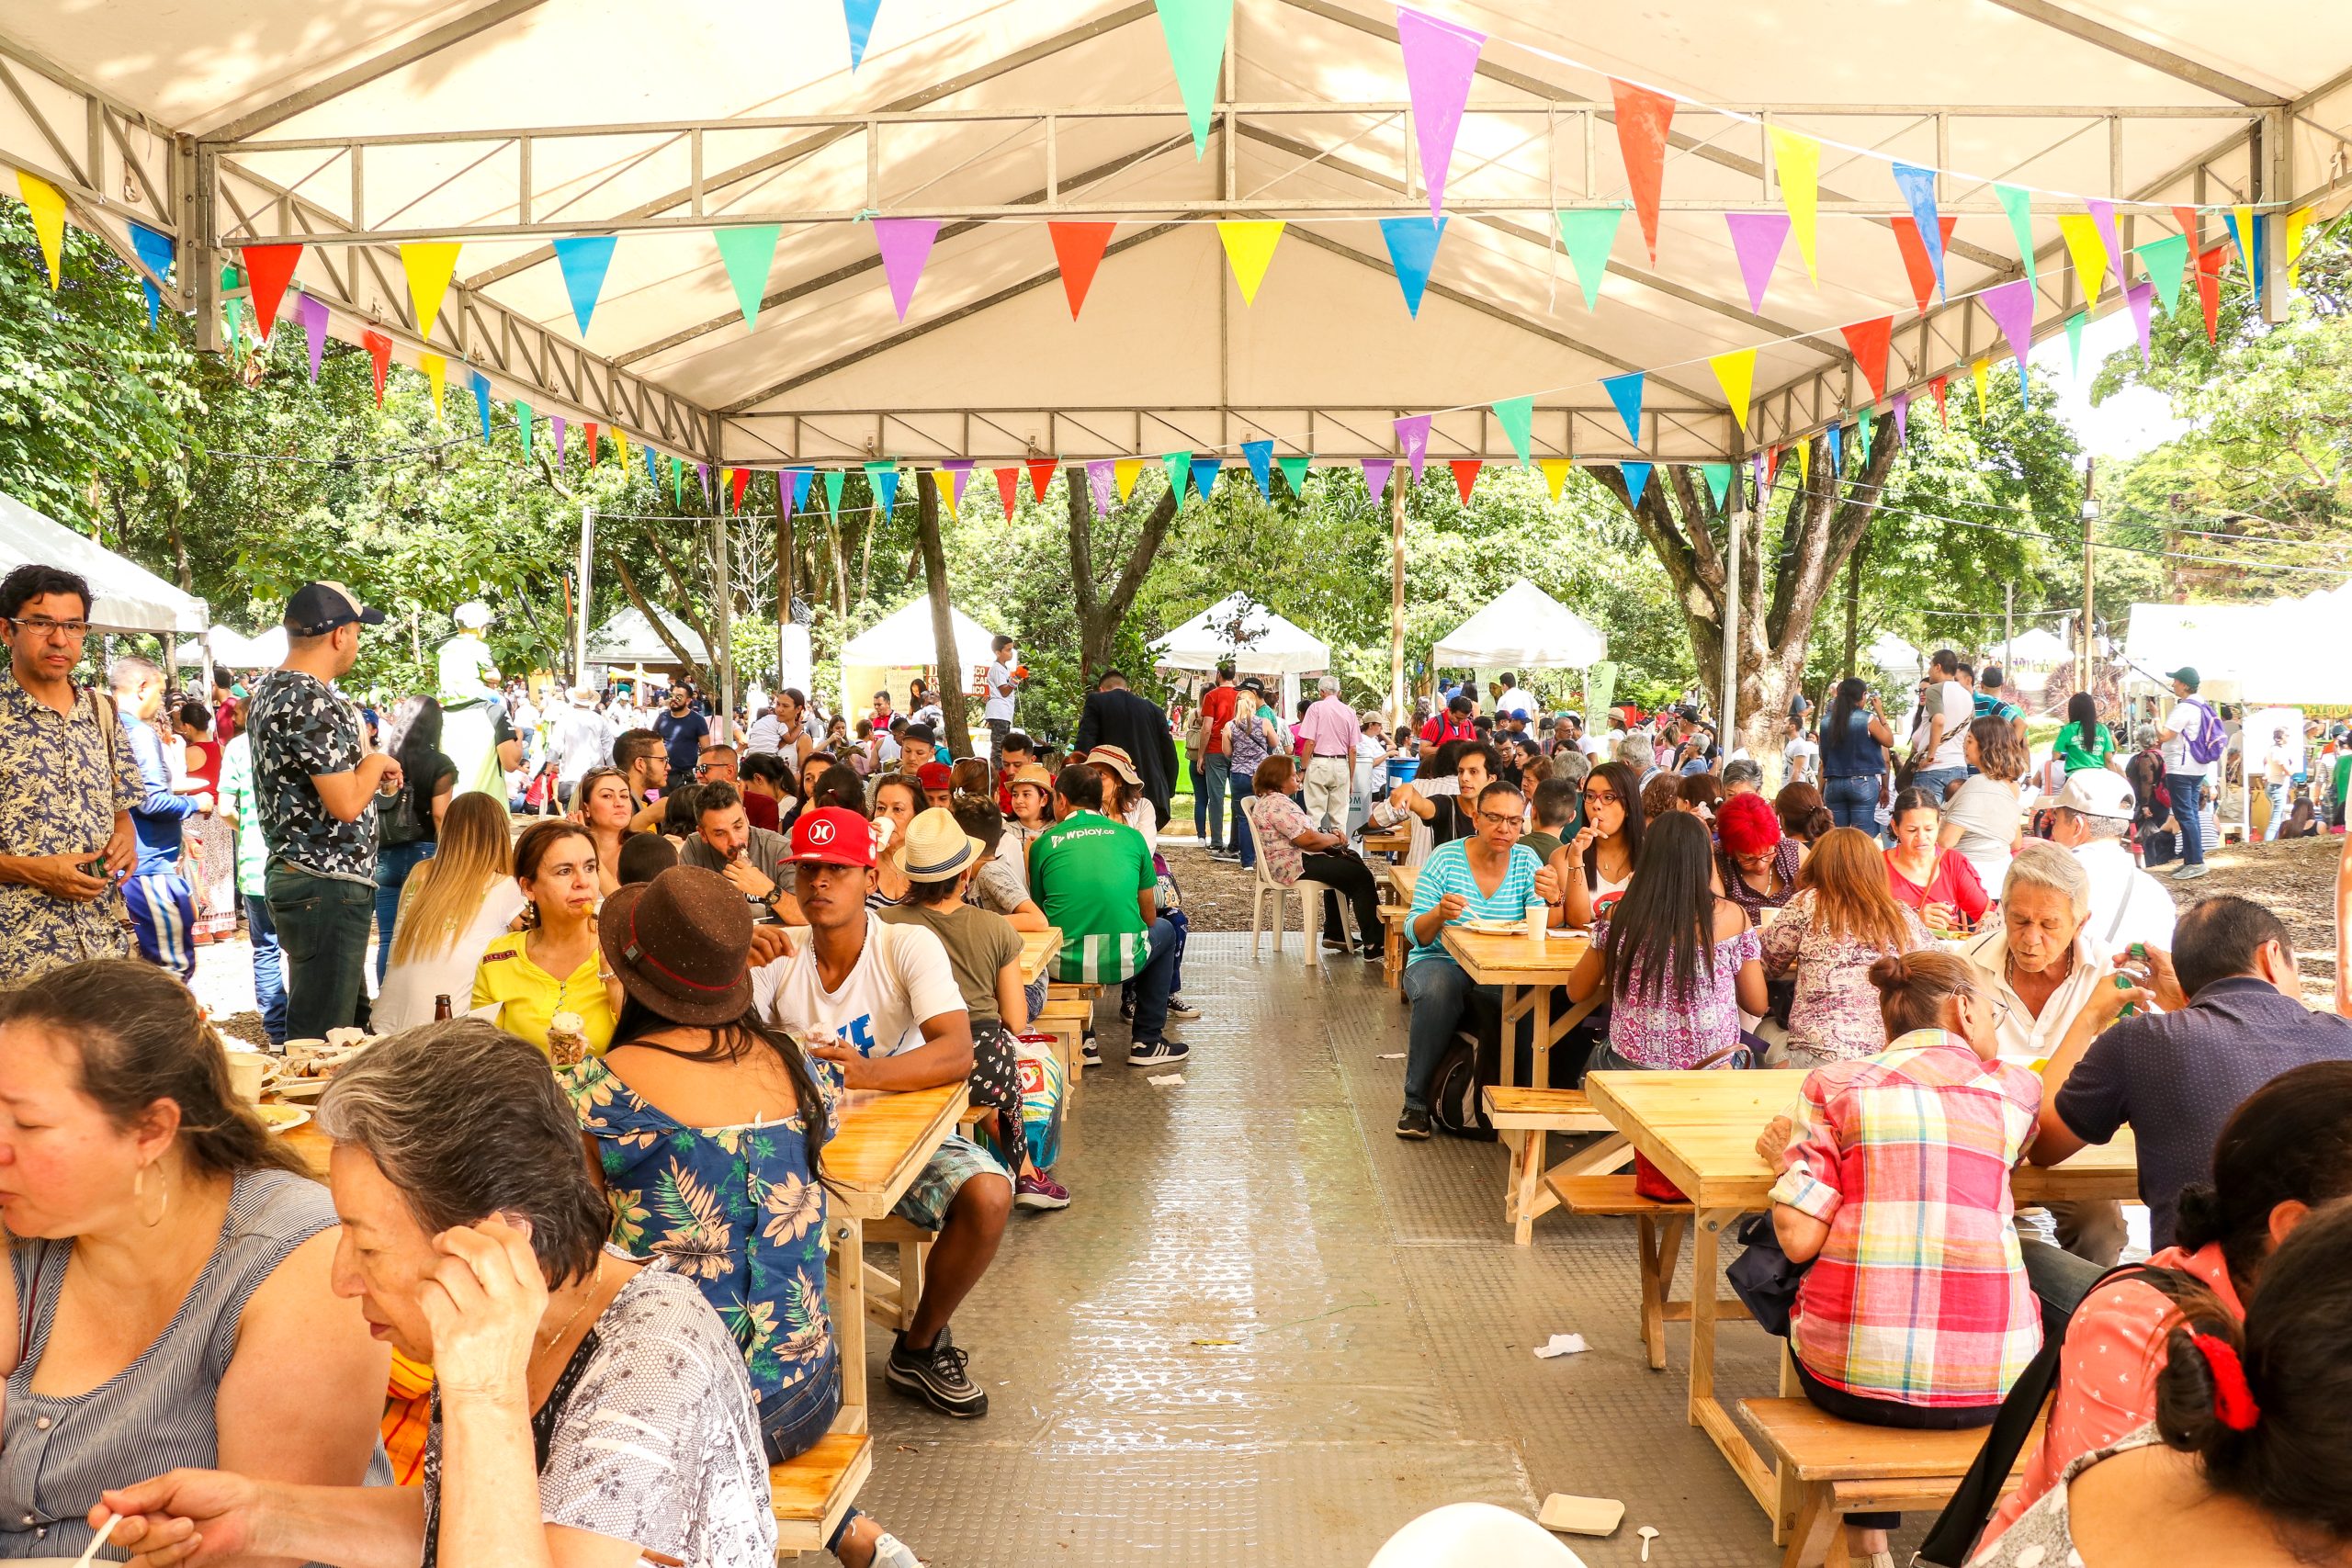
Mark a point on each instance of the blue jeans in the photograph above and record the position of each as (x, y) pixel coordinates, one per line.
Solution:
(1439, 990)
(269, 970)
(2188, 791)
(393, 863)
(1852, 800)
(1154, 982)
(322, 930)
(792, 1419)
(2278, 793)
(1243, 844)
(1935, 780)
(1208, 803)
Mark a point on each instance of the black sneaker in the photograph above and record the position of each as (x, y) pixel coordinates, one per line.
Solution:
(1126, 1010)
(1413, 1123)
(1156, 1053)
(1179, 1008)
(1089, 1051)
(936, 1376)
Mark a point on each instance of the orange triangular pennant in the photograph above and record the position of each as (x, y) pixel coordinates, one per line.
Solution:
(1078, 251)
(1466, 476)
(1921, 271)
(1643, 120)
(1868, 341)
(1040, 474)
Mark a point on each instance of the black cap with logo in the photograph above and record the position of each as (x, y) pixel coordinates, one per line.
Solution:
(317, 608)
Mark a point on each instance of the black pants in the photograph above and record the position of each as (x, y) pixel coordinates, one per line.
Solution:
(1888, 1413)
(1344, 875)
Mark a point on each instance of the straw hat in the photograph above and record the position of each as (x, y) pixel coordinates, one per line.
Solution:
(937, 848)
(1116, 757)
(1031, 773)
(681, 944)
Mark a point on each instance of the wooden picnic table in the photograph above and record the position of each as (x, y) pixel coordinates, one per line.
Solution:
(1526, 970)
(882, 1145)
(1038, 949)
(1387, 841)
(1700, 1129)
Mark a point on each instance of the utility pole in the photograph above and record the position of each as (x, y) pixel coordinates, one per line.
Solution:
(580, 608)
(2009, 626)
(2088, 672)
(783, 547)
(953, 674)
(1396, 709)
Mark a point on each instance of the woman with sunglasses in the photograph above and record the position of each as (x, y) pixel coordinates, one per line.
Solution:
(1597, 865)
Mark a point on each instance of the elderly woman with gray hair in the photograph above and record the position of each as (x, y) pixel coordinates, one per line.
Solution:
(590, 1411)
(2048, 976)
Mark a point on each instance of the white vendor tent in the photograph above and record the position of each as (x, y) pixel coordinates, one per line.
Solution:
(902, 641)
(2282, 652)
(1891, 655)
(628, 638)
(1257, 640)
(233, 649)
(129, 598)
(1523, 628)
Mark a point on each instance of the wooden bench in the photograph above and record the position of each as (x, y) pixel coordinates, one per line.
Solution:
(1841, 1467)
(892, 1302)
(1659, 1242)
(1392, 948)
(1523, 1117)
(810, 1492)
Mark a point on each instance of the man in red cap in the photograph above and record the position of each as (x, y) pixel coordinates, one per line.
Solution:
(938, 783)
(887, 996)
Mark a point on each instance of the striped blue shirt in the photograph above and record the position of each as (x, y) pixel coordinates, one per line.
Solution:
(1448, 871)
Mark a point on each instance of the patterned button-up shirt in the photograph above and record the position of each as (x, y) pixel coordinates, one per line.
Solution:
(302, 730)
(58, 792)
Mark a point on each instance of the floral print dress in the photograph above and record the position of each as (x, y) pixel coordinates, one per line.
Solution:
(733, 1209)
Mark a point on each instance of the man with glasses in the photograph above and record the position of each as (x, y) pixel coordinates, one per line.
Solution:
(1488, 877)
(67, 784)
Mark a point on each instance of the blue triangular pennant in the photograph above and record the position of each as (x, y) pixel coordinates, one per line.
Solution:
(1836, 437)
(1205, 474)
(859, 15)
(1626, 391)
(801, 480)
(1412, 251)
(1262, 465)
(155, 252)
(1637, 480)
(584, 261)
(481, 401)
(1918, 188)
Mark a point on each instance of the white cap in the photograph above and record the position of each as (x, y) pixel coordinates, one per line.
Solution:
(2096, 792)
(473, 613)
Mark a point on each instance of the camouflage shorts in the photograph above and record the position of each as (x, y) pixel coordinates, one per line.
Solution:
(933, 1193)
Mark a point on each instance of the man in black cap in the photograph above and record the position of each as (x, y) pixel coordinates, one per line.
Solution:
(317, 785)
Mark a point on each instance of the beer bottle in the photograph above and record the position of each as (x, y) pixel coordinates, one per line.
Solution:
(441, 1008)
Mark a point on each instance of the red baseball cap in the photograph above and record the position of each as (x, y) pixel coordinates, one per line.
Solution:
(935, 775)
(832, 835)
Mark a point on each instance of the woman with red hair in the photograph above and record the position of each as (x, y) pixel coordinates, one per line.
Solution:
(1755, 862)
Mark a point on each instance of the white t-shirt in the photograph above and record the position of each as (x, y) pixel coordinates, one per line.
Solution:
(2184, 719)
(2126, 904)
(1959, 709)
(1000, 695)
(1989, 816)
(1804, 757)
(1515, 700)
(902, 978)
(1144, 819)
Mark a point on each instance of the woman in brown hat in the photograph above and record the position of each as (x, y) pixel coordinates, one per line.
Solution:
(709, 1125)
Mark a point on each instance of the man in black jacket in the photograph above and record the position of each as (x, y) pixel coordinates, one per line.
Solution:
(1114, 716)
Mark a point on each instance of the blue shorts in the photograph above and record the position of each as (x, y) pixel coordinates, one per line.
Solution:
(933, 1193)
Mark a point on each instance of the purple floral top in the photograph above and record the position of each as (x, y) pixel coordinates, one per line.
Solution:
(1667, 1032)
(1835, 1016)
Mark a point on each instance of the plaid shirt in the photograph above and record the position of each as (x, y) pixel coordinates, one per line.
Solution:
(1919, 1296)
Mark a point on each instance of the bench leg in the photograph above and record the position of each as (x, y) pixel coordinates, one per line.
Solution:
(1808, 1540)
(1840, 1551)
(913, 1256)
(1653, 1287)
(1526, 1183)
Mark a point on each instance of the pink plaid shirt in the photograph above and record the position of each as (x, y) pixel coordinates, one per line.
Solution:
(1919, 1296)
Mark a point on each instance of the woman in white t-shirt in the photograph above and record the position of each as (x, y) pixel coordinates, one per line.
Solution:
(452, 907)
(1984, 820)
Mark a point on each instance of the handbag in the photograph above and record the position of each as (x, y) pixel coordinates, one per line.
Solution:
(1763, 1277)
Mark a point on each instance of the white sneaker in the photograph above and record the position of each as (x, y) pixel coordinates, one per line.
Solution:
(2190, 872)
(889, 1552)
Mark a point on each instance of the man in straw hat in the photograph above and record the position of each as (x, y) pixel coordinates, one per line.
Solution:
(886, 996)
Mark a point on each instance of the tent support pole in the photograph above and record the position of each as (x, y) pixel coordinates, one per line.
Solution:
(580, 610)
(1396, 709)
(725, 651)
(1727, 728)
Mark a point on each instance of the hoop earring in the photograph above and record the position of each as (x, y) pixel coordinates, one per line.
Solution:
(138, 1191)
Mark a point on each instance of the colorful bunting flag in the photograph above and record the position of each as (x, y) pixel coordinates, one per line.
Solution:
(1412, 251)
(584, 262)
(745, 252)
(1718, 478)
(268, 269)
(588, 435)
(1862, 431)
(481, 404)
(882, 478)
(1556, 473)
(1902, 417)
(652, 473)
(1078, 253)
(859, 15)
(1757, 239)
(905, 244)
(835, 479)
(1869, 343)
(2074, 325)
(1589, 233)
(1517, 416)
(1439, 60)
(156, 251)
(1943, 415)
(557, 421)
(677, 475)
(1796, 165)
(1735, 373)
(2017, 202)
(947, 492)
(2139, 297)
(1195, 31)
(1126, 470)
(1179, 472)
(1295, 470)
(1040, 474)
(429, 266)
(2239, 221)
(1260, 456)
(311, 311)
(801, 480)
(2296, 223)
(1804, 464)
(2102, 215)
(380, 360)
(1643, 120)
(620, 444)
(1916, 264)
(1466, 476)
(435, 369)
(1977, 373)
(1835, 439)
(1413, 435)
(2010, 305)
(2209, 288)
(1918, 188)
(1204, 471)
(1376, 474)
(1100, 483)
(737, 483)
(2087, 250)
(46, 203)
(1626, 392)
(1637, 480)
(2165, 259)
(1008, 489)
(1248, 246)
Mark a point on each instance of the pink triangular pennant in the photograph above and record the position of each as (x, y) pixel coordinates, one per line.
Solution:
(2011, 307)
(1902, 416)
(2118, 260)
(1756, 240)
(2140, 296)
(1440, 59)
(1413, 434)
(1376, 474)
(1102, 484)
(311, 311)
(905, 244)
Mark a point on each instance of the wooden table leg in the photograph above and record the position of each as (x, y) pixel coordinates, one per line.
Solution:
(1545, 1033)
(1703, 1317)
(1706, 1411)
(1508, 1067)
(1653, 1326)
(846, 1304)
(1526, 1183)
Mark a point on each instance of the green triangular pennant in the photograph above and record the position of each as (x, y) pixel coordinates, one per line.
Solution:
(1180, 469)
(523, 420)
(1718, 478)
(746, 252)
(2075, 342)
(1862, 431)
(2164, 259)
(1195, 31)
(1295, 470)
(1517, 416)
(2018, 204)
(1589, 233)
(833, 480)
(678, 483)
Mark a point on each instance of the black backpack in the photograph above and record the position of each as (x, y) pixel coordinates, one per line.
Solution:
(1473, 1061)
(1456, 1107)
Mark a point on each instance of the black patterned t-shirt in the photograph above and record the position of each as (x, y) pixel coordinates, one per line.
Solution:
(300, 730)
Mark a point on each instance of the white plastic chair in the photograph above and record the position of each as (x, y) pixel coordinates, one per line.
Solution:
(1310, 898)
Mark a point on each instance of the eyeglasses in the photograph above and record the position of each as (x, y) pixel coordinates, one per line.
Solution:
(1601, 797)
(1490, 819)
(41, 625)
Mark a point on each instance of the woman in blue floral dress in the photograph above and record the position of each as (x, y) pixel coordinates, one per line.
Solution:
(708, 1126)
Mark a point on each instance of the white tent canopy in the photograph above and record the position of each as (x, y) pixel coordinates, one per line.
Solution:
(1894, 656)
(2283, 651)
(629, 638)
(129, 598)
(233, 649)
(2037, 648)
(1240, 628)
(1522, 628)
(903, 639)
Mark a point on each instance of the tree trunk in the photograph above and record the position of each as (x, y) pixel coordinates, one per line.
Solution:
(1099, 615)
(952, 673)
(866, 556)
(1820, 530)
(841, 570)
(1853, 605)
(703, 676)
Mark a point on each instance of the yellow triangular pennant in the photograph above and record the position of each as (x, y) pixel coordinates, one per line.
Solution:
(2244, 216)
(429, 269)
(2086, 249)
(1126, 470)
(1796, 163)
(1248, 246)
(2296, 221)
(1737, 374)
(1556, 473)
(1804, 461)
(47, 204)
(620, 440)
(436, 370)
(943, 482)
(1977, 373)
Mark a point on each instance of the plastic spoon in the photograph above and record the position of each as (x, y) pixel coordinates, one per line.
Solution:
(1647, 1535)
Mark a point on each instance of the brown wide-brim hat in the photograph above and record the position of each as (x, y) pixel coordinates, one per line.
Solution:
(1116, 757)
(681, 944)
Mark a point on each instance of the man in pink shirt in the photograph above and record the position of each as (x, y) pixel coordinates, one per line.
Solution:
(1328, 735)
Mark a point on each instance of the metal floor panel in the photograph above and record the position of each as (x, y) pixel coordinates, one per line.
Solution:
(1380, 1326)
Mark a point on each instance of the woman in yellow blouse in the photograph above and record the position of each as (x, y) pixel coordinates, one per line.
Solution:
(551, 968)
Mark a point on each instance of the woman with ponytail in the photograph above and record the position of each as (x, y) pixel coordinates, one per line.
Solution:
(2285, 1152)
(2248, 1460)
